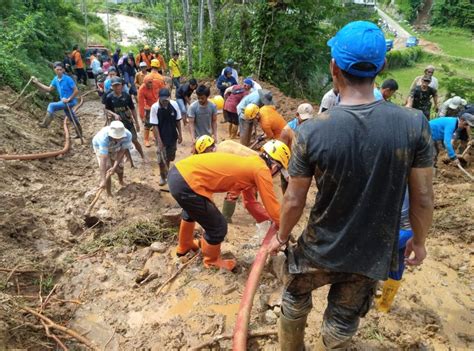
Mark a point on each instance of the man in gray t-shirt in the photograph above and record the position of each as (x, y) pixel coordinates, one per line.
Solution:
(202, 115)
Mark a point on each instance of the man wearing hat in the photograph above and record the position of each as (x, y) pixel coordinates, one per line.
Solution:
(120, 105)
(361, 154)
(421, 95)
(67, 91)
(429, 71)
(452, 106)
(230, 64)
(140, 76)
(225, 81)
(443, 129)
(165, 117)
(271, 122)
(160, 58)
(260, 98)
(251, 85)
(144, 56)
(110, 145)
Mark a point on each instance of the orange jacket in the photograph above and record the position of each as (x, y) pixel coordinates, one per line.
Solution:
(144, 58)
(219, 172)
(139, 78)
(76, 56)
(146, 98)
(160, 58)
(158, 81)
(271, 121)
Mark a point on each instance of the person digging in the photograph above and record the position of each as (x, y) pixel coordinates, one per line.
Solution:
(193, 181)
(205, 144)
(271, 122)
(110, 145)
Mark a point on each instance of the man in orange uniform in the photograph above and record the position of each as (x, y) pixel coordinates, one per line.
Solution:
(144, 56)
(147, 96)
(79, 65)
(159, 57)
(271, 122)
(193, 181)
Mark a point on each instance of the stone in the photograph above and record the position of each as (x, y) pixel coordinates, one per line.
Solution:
(158, 247)
(172, 216)
(270, 317)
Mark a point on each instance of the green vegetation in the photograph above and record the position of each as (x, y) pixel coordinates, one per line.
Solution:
(453, 41)
(36, 33)
(409, 8)
(404, 58)
(142, 233)
(458, 13)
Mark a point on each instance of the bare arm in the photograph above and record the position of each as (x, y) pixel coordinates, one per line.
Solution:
(135, 118)
(294, 202)
(42, 86)
(214, 127)
(409, 102)
(180, 132)
(421, 212)
(435, 100)
(159, 143)
(191, 129)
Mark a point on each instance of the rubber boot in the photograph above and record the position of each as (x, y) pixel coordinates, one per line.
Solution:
(389, 290)
(163, 175)
(212, 256)
(320, 346)
(228, 209)
(291, 333)
(47, 121)
(186, 240)
(146, 137)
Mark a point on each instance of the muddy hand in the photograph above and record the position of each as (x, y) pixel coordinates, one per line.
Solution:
(419, 252)
(274, 246)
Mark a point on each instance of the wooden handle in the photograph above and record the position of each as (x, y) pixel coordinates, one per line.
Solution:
(96, 198)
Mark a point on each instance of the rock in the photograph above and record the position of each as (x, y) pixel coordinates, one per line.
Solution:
(172, 216)
(277, 310)
(102, 277)
(270, 317)
(158, 247)
(230, 289)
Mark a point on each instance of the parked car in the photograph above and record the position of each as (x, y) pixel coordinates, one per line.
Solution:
(389, 44)
(104, 52)
(412, 41)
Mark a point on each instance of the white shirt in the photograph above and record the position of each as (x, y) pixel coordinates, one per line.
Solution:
(255, 86)
(234, 73)
(156, 106)
(329, 100)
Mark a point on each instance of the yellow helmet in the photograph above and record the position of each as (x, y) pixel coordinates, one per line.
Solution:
(218, 101)
(146, 47)
(278, 151)
(202, 143)
(155, 63)
(251, 111)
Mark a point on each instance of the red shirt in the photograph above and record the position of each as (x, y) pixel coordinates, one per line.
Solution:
(237, 94)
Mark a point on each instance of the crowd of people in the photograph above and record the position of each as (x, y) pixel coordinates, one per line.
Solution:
(372, 161)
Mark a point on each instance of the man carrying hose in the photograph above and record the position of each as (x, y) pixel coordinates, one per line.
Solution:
(110, 146)
(361, 167)
(193, 181)
(67, 91)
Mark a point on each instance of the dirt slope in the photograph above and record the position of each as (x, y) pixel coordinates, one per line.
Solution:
(41, 228)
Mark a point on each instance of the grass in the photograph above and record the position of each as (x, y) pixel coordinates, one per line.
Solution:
(453, 41)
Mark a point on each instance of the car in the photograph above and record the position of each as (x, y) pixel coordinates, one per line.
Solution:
(103, 51)
(411, 41)
(389, 44)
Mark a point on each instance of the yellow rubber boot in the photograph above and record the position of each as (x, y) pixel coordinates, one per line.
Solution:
(389, 290)
(212, 256)
(146, 137)
(186, 240)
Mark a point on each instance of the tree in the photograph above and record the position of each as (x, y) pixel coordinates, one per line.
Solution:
(188, 35)
(169, 26)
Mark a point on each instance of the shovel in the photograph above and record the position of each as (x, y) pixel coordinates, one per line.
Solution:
(464, 153)
(89, 220)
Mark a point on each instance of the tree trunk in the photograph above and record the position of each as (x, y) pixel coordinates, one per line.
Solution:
(188, 32)
(169, 26)
(212, 14)
(201, 30)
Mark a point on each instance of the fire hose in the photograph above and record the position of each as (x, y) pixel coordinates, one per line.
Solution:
(42, 155)
(239, 342)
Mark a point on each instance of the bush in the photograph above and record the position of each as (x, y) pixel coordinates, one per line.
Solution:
(409, 8)
(458, 13)
(404, 58)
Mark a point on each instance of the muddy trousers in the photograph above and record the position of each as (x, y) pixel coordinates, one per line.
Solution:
(349, 298)
(197, 208)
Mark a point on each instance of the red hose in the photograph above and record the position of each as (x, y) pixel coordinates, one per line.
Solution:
(65, 149)
(243, 318)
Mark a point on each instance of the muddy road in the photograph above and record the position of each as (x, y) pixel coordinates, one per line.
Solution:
(91, 274)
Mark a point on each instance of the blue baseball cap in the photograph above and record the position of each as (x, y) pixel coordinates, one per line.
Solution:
(248, 81)
(359, 48)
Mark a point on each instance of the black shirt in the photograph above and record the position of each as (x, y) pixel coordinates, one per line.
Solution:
(360, 157)
(422, 98)
(184, 91)
(120, 105)
(167, 118)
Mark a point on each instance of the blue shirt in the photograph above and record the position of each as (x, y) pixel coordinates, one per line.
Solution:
(378, 95)
(95, 65)
(64, 86)
(293, 123)
(108, 86)
(252, 98)
(104, 145)
(442, 129)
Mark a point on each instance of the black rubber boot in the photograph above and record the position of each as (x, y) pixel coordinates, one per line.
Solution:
(291, 333)
(228, 210)
(47, 121)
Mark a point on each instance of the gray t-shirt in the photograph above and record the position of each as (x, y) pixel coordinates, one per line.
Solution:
(202, 117)
(361, 157)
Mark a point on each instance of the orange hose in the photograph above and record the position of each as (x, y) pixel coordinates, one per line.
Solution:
(239, 342)
(42, 155)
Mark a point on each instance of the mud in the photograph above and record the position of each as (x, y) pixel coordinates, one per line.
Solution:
(42, 228)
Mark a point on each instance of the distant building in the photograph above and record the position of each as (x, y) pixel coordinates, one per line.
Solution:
(370, 3)
(123, 1)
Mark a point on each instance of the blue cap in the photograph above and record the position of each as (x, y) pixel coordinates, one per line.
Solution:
(248, 81)
(227, 70)
(359, 42)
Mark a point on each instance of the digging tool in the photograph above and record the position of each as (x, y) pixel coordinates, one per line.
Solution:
(21, 93)
(465, 172)
(93, 220)
(259, 139)
(73, 121)
(465, 152)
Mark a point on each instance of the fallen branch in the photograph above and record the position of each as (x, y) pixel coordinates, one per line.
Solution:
(14, 102)
(177, 272)
(61, 328)
(53, 336)
(149, 278)
(218, 338)
(53, 298)
(18, 271)
(11, 273)
(45, 303)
